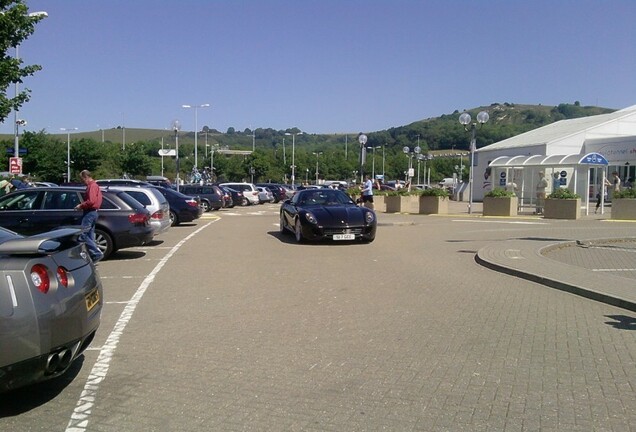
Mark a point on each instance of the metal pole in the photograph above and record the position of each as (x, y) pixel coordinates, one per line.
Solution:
(196, 134)
(293, 179)
(176, 146)
(373, 165)
(68, 156)
(472, 161)
(16, 143)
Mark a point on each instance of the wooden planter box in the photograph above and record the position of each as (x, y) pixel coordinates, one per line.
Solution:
(500, 206)
(433, 205)
(624, 209)
(393, 203)
(380, 203)
(562, 208)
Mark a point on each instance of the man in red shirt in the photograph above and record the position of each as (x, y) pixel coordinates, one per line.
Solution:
(91, 204)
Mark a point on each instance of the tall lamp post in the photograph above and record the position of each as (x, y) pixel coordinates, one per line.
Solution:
(293, 166)
(176, 127)
(465, 120)
(16, 122)
(410, 154)
(373, 161)
(196, 129)
(362, 139)
(68, 152)
(317, 158)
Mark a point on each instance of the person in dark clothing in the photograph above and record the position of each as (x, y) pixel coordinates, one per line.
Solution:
(91, 204)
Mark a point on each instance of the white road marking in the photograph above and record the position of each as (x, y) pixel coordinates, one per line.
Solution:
(614, 270)
(501, 222)
(83, 409)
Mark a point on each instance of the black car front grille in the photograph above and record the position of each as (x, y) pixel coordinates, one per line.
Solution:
(344, 230)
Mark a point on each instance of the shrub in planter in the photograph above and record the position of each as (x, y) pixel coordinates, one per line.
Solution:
(500, 193)
(438, 192)
(624, 205)
(563, 193)
(500, 202)
(562, 204)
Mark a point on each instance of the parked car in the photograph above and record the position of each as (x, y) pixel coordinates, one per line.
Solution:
(121, 182)
(52, 301)
(249, 191)
(228, 202)
(211, 196)
(265, 195)
(155, 203)
(160, 181)
(122, 221)
(236, 197)
(278, 191)
(183, 208)
(326, 214)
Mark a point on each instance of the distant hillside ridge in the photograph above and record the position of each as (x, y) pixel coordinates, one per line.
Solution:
(438, 133)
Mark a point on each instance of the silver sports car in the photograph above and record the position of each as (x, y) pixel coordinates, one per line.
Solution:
(50, 305)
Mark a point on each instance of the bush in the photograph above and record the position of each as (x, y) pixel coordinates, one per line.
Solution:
(500, 193)
(625, 193)
(563, 193)
(440, 192)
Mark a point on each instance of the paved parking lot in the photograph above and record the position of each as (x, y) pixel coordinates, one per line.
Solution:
(237, 328)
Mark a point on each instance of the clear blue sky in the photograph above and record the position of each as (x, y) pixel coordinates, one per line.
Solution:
(323, 66)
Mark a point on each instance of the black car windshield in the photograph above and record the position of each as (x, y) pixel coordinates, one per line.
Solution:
(324, 197)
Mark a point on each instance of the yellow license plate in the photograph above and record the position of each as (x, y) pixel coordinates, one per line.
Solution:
(92, 298)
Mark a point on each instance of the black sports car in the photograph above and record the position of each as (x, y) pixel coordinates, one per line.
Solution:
(50, 305)
(327, 214)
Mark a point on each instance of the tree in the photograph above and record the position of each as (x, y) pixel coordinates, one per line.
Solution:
(16, 26)
(134, 160)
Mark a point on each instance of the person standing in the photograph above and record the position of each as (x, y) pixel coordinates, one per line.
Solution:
(367, 193)
(617, 182)
(542, 184)
(603, 191)
(91, 204)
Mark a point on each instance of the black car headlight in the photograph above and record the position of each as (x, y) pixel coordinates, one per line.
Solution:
(369, 217)
(311, 218)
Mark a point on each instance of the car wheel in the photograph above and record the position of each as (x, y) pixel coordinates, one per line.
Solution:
(282, 224)
(174, 219)
(244, 202)
(205, 206)
(298, 231)
(104, 242)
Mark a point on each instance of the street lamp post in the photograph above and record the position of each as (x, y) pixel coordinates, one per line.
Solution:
(465, 120)
(293, 166)
(16, 140)
(410, 154)
(383, 174)
(373, 162)
(317, 158)
(68, 152)
(362, 139)
(196, 129)
(176, 127)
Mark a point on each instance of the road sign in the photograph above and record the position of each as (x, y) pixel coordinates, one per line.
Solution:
(22, 151)
(15, 165)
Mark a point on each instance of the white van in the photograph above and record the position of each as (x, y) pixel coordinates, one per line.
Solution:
(249, 191)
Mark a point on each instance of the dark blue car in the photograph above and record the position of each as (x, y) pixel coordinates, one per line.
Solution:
(183, 208)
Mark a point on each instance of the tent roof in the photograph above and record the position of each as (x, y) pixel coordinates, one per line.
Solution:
(550, 160)
(559, 130)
